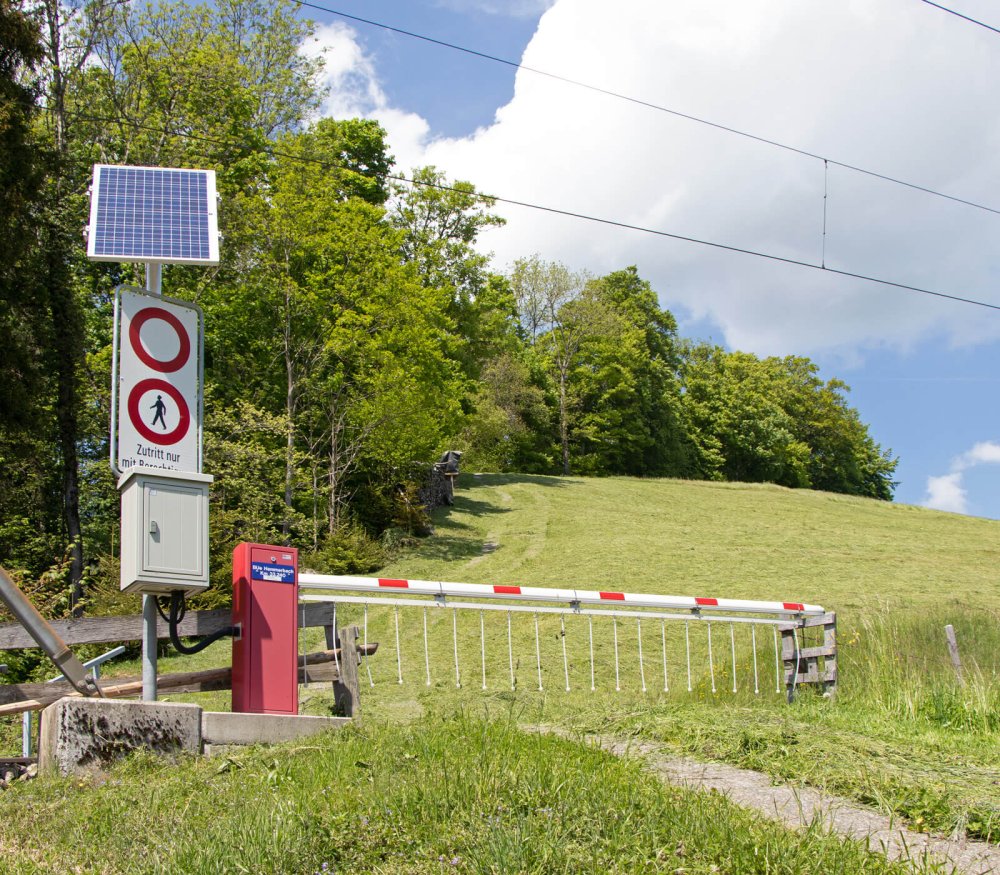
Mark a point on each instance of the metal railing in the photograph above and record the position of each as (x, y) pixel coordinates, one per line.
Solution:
(394, 593)
(91, 665)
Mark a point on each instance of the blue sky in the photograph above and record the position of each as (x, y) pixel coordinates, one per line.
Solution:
(895, 86)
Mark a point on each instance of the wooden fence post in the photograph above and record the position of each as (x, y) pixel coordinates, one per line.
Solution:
(802, 664)
(346, 690)
(956, 660)
(789, 657)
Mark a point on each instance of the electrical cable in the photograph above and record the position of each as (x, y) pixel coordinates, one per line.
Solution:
(597, 219)
(178, 608)
(960, 15)
(658, 107)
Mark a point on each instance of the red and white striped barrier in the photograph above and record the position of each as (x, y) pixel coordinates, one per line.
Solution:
(574, 597)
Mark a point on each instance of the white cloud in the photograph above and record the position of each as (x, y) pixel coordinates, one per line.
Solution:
(985, 452)
(876, 83)
(948, 492)
(353, 90)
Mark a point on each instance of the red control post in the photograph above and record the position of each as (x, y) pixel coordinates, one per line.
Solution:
(265, 654)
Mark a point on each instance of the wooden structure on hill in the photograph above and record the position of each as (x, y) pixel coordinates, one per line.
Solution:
(806, 662)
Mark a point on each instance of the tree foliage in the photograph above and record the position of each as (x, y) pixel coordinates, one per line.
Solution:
(774, 420)
(355, 327)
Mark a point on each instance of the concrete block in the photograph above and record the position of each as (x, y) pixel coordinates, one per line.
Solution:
(219, 728)
(80, 735)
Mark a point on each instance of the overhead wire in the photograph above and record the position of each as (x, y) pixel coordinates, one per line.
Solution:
(654, 106)
(958, 14)
(584, 217)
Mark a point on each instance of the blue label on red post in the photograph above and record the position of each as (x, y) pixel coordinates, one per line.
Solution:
(269, 571)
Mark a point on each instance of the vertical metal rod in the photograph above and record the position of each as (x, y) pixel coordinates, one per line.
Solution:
(149, 644)
(642, 669)
(304, 659)
(687, 649)
(113, 424)
(482, 644)
(154, 280)
(368, 666)
(796, 664)
(826, 188)
(618, 685)
(732, 650)
(399, 655)
(26, 734)
(454, 638)
(154, 277)
(538, 654)
(753, 639)
(590, 625)
(663, 639)
(562, 633)
(711, 661)
(777, 670)
(510, 654)
(336, 639)
(427, 652)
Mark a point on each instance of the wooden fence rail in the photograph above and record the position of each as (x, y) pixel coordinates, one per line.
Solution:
(341, 669)
(102, 630)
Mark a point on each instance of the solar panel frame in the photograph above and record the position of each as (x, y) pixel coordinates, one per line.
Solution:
(154, 215)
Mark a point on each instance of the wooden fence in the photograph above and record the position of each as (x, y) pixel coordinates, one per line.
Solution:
(808, 663)
(337, 664)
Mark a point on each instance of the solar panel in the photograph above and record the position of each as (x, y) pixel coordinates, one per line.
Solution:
(153, 214)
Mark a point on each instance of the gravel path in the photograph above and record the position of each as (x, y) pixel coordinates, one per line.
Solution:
(797, 807)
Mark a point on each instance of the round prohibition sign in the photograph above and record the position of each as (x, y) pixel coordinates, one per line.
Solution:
(135, 415)
(135, 340)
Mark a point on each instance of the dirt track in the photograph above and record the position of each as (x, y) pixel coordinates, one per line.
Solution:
(799, 806)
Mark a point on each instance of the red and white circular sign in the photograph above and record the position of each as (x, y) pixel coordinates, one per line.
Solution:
(159, 341)
(158, 383)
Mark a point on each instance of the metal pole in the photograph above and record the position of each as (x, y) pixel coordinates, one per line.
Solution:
(154, 277)
(45, 636)
(154, 285)
(149, 644)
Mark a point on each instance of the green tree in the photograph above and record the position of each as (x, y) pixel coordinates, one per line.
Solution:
(627, 386)
(362, 379)
(774, 420)
(509, 428)
(21, 177)
(211, 86)
(440, 222)
(202, 85)
(560, 312)
(66, 32)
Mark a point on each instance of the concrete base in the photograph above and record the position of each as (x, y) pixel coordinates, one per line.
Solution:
(86, 734)
(221, 730)
(80, 735)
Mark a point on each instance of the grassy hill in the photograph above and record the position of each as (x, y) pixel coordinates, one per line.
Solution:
(441, 779)
(723, 539)
(902, 733)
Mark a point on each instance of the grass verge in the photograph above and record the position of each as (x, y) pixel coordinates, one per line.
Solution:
(442, 795)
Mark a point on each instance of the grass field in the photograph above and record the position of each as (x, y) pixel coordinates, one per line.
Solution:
(466, 785)
(901, 735)
(438, 796)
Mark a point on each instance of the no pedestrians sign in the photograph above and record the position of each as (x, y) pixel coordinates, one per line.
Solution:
(157, 383)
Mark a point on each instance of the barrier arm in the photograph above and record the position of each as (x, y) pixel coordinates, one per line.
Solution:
(45, 636)
(442, 590)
